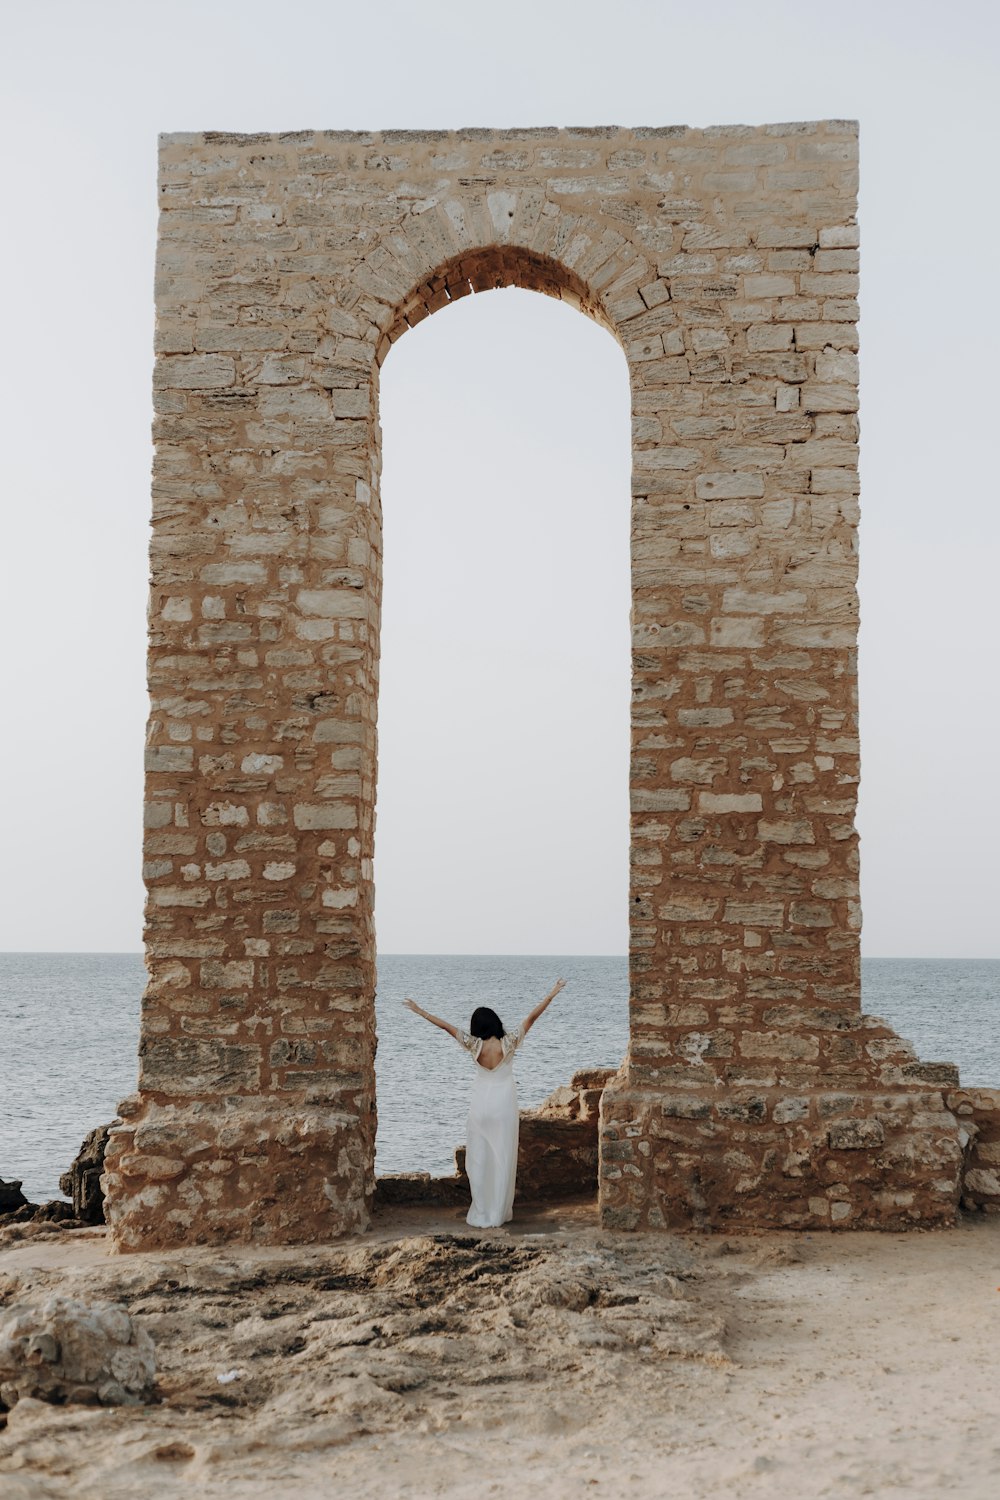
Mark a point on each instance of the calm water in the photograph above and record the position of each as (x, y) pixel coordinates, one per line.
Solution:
(69, 1028)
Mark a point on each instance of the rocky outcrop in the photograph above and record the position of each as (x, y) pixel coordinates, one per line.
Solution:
(16, 1210)
(356, 1336)
(64, 1349)
(11, 1197)
(82, 1183)
(54, 1211)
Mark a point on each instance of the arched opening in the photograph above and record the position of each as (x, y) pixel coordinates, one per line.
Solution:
(504, 705)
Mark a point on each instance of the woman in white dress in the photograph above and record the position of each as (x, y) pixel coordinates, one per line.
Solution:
(492, 1131)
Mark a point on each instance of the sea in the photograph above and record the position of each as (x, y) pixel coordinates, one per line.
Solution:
(69, 1030)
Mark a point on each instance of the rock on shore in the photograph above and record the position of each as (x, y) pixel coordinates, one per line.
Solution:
(64, 1349)
(11, 1197)
(82, 1183)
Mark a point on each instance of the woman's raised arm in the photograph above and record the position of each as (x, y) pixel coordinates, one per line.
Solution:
(530, 1020)
(434, 1020)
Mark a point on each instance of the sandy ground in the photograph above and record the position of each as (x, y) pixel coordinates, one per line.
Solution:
(424, 1359)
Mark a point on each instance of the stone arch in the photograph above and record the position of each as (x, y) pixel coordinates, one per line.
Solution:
(724, 260)
(490, 268)
(481, 241)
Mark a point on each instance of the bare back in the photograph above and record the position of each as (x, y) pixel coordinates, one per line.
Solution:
(490, 1053)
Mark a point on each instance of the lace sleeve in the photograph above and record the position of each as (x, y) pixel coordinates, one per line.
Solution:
(471, 1043)
(512, 1040)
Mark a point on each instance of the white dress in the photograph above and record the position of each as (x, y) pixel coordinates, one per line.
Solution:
(491, 1133)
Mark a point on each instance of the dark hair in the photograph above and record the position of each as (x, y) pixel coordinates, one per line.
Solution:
(486, 1023)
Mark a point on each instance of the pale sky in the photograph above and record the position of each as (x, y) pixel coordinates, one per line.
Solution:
(502, 811)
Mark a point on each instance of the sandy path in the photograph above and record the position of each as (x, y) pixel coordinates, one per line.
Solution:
(548, 1358)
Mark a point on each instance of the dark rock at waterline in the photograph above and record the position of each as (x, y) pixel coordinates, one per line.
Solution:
(11, 1196)
(82, 1182)
(56, 1211)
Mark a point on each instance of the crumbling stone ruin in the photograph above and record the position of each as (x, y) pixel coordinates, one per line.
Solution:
(725, 262)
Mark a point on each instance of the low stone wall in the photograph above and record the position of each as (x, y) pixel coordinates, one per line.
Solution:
(556, 1158)
(978, 1114)
(400, 1189)
(771, 1158)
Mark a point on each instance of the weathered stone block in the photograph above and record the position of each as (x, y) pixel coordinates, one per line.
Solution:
(729, 802)
(779, 1045)
(169, 758)
(65, 1350)
(325, 815)
(856, 1135)
(755, 913)
(194, 372)
(786, 831)
(728, 486)
(982, 1183)
(179, 1066)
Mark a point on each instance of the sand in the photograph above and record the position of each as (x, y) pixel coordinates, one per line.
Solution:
(550, 1357)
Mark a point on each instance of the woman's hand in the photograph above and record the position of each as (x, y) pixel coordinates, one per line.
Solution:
(560, 984)
(412, 1005)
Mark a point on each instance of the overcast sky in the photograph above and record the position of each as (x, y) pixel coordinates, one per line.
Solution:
(505, 682)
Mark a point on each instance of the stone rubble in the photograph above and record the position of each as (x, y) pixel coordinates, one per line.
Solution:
(64, 1349)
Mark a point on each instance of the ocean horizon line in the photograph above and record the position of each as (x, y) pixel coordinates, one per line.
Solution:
(949, 958)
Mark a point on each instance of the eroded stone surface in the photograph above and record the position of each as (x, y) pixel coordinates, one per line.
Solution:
(634, 1365)
(354, 1339)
